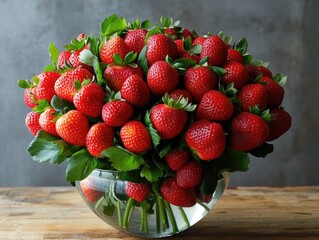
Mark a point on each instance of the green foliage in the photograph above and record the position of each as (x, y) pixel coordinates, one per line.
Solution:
(54, 53)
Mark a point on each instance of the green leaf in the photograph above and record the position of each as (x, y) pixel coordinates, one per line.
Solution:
(47, 148)
(280, 78)
(154, 135)
(87, 57)
(24, 83)
(228, 39)
(247, 58)
(80, 165)
(203, 61)
(99, 74)
(142, 60)
(195, 49)
(75, 45)
(220, 72)
(187, 43)
(130, 57)
(106, 22)
(123, 160)
(210, 178)
(60, 105)
(151, 173)
(263, 150)
(109, 209)
(115, 26)
(233, 160)
(152, 32)
(165, 149)
(117, 59)
(242, 46)
(146, 24)
(94, 44)
(42, 106)
(49, 68)
(54, 53)
(132, 176)
(77, 85)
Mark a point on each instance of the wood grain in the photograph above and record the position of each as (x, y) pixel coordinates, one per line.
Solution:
(242, 213)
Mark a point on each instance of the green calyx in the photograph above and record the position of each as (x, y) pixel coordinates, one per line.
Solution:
(42, 106)
(138, 24)
(230, 91)
(181, 64)
(168, 22)
(75, 44)
(181, 103)
(280, 78)
(264, 114)
(113, 25)
(227, 39)
(22, 83)
(128, 59)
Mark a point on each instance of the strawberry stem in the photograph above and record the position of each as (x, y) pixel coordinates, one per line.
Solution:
(144, 224)
(203, 205)
(184, 216)
(127, 212)
(171, 216)
(99, 203)
(119, 214)
(158, 219)
(162, 213)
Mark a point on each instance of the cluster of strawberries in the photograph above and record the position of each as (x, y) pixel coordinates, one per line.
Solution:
(200, 92)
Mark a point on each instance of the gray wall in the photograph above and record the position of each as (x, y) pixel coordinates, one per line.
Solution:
(283, 32)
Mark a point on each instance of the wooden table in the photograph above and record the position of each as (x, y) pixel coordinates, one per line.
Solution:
(242, 213)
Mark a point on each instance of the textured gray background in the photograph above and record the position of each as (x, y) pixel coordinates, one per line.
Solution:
(283, 32)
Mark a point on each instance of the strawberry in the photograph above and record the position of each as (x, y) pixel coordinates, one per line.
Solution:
(114, 45)
(116, 75)
(169, 118)
(255, 71)
(89, 100)
(75, 61)
(177, 93)
(32, 122)
(170, 32)
(207, 139)
(183, 53)
(162, 78)
(215, 106)
(179, 44)
(253, 94)
(199, 80)
(264, 71)
(135, 39)
(215, 49)
(249, 131)
(186, 33)
(279, 125)
(45, 87)
(138, 191)
(135, 137)
(176, 159)
(158, 47)
(199, 40)
(90, 192)
(29, 98)
(135, 91)
(116, 113)
(236, 73)
(64, 86)
(275, 92)
(73, 127)
(81, 36)
(189, 175)
(204, 198)
(182, 197)
(63, 59)
(234, 55)
(47, 122)
(99, 138)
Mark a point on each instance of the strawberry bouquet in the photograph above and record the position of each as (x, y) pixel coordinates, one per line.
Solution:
(164, 108)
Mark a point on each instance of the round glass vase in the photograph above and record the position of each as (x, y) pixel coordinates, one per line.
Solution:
(105, 194)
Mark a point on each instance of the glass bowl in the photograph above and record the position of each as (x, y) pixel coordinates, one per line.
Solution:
(105, 194)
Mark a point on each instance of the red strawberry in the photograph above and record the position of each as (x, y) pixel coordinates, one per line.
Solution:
(207, 139)
(135, 137)
(236, 73)
(89, 100)
(158, 47)
(177, 93)
(204, 198)
(186, 33)
(214, 48)
(275, 92)
(176, 159)
(45, 88)
(199, 40)
(138, 191)
(64, 86)
(73, 127)
(135, 39)
(29, 98)
(32, 122)
(199, 80)
(114, 45)
(90, 192)
(279, 125)
(75, 61)
(234, 55)
(249, 131)
(81, 36)
(63, 59)
(116, 75)
(47, 122)
(253, 94)
(254, 71)
(99, 138)
(168, 121)
(116, 113)
(182, 197)
(170, 32)
(182, 53)
(190, 175)
(179, 44)
(135, 91)
(215, 106)
(162, 78)
(264, 71)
